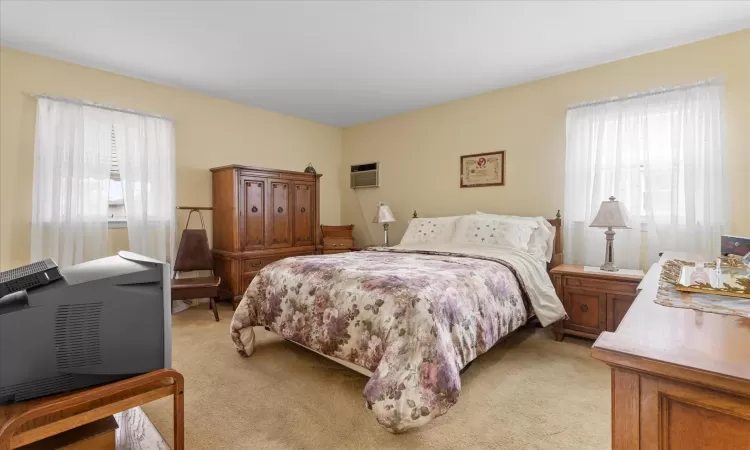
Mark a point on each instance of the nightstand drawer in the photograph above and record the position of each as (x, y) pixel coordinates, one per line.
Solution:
(337, 243)
(587, 310)
(333, 251)
(603, 285)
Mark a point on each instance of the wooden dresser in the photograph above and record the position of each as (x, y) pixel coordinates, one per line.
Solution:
(594, 301)
(680, 377)
(261, 216)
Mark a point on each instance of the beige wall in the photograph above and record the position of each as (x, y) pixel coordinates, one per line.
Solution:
(419, 151)
(209, 132)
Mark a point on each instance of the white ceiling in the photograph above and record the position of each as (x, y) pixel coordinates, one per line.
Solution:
(348, 62)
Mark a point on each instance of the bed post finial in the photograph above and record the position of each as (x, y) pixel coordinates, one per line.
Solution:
(414, 216)
(558, 216)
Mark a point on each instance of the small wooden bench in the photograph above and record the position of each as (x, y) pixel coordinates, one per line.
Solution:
(28, 422)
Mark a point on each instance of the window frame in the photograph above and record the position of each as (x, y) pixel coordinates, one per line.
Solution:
(120, 221)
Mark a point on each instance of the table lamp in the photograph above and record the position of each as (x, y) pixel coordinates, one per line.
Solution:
(612, 214)
(384, 216)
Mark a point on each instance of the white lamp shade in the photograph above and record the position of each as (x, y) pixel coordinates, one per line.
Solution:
(613, 214)
(384, 214)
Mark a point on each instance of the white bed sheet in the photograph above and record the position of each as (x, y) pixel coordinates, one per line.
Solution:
(531, 271)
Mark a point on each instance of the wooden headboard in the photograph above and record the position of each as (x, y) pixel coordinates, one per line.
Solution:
(557, 255)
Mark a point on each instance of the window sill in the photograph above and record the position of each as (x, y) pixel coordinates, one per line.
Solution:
(114, 224)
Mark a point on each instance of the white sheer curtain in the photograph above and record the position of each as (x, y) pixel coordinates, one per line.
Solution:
(662, 154)
(145, 150)
(71, 181)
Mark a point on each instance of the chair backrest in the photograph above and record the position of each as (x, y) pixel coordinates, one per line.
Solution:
(193, 252)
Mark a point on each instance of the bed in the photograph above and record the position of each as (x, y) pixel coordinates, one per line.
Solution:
(410, 317)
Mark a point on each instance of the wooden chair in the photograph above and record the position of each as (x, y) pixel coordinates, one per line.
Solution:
(194, 254)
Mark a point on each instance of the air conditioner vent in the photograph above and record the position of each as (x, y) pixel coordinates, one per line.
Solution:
(364, 175)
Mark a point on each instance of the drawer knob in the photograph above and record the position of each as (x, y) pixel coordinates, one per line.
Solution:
(584, 308)
(256, 264)
(303, 209)
(280, 210)
(255, 209)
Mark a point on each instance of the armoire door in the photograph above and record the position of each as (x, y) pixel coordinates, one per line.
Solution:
(279, 232)
(252, 213)
(304, 213)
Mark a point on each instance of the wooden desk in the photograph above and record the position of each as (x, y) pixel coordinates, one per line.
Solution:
(680, 377)
(32, 421)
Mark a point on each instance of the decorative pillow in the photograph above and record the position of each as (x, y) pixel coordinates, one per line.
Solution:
(542, 241)
(494, 231)
(436, 229)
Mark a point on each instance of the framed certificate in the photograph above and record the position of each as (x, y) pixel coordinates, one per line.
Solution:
(483, 169)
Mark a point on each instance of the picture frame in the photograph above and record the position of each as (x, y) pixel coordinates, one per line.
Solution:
(483, 169)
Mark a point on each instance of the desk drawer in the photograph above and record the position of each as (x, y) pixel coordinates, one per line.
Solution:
(602, 285)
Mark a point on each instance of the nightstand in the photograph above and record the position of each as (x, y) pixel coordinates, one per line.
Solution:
(594, 301)
(337, 238)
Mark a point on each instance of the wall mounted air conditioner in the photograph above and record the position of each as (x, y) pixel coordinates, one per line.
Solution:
(364, 175)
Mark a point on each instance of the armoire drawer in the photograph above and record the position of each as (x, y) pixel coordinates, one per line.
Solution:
(255, 264)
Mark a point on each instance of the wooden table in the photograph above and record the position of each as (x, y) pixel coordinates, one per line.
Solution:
(680, 377)
(34, 420)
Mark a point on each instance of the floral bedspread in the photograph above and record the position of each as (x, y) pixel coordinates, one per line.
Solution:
(414, 318)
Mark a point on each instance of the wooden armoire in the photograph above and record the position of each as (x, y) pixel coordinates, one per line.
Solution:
(261, 216)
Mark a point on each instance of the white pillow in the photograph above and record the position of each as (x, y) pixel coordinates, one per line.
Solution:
(437, 230)
(542, 240)
(492, 230)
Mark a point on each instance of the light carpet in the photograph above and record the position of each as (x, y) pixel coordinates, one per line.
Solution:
(528, 392)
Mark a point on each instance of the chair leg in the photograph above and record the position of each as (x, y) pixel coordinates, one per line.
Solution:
(212, 305)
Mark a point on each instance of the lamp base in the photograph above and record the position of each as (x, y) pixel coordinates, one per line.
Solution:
(385, 228)
(609, 255)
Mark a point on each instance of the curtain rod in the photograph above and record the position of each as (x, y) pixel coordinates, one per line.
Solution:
(648, 93)
(100, 106)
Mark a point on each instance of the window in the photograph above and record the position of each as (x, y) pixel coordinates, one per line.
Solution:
(117, 216)
(78, 185)
(638, 157)
(663, 155)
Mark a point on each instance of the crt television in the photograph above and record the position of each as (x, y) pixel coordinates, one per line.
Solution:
(84, 325)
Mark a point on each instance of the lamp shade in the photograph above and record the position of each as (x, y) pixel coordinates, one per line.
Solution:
(613, 214)
(384, 214)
